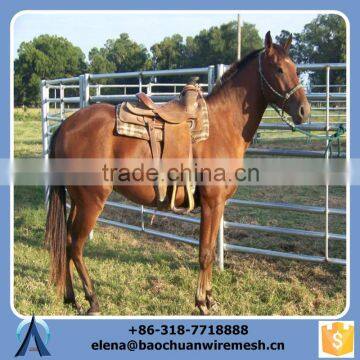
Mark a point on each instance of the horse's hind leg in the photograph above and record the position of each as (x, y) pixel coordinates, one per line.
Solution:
(85, 219)
(211, 212)
(69, 295)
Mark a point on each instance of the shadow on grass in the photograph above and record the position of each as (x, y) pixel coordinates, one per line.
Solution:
(26, 270)
(138, 254)
(28, 196)
(31, 142)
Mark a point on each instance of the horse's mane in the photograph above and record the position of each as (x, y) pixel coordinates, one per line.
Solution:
(234, 69)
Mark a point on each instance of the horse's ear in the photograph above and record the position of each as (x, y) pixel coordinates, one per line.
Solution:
(268, 42)
(288, 43)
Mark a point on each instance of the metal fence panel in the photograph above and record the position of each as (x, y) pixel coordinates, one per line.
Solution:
(83, 85)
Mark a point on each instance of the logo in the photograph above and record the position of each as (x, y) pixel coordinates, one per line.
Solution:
(33, 332)
(336, 339)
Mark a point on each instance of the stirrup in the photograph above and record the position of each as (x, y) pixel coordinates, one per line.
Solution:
(190, 197)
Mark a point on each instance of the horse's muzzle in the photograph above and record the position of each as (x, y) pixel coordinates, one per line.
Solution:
(302, 113)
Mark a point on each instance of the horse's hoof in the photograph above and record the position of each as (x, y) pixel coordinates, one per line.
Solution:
(203, 310)
(213, 306)
(73, 303)
(91, 312)
(200, 310)
(69, 301)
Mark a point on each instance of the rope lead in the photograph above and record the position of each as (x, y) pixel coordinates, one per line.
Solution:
(340, 130)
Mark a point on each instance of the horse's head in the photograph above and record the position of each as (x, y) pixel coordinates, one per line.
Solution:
(280, 82)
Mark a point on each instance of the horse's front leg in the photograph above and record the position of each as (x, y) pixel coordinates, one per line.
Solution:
(211, 213)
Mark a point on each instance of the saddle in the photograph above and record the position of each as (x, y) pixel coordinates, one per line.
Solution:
(171, 129)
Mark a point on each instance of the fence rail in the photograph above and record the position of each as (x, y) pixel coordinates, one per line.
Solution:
(85, 83)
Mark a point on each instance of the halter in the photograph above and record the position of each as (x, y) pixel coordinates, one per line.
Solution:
(330, 138)
(285, 97)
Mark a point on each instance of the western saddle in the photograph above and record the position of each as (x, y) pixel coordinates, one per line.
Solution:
(171, 129)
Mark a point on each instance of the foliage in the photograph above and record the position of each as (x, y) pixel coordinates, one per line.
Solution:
(323, 40)
(211, 46)
(119, 55)
(45, 57)
(169, 53)
(219, 44)
(99, 63)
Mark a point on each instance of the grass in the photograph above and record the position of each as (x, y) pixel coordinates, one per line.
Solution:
(27, 133)
(137, 274)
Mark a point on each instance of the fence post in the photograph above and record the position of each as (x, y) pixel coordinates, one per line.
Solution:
(44, 90)
(148, 89)
(62, 104)
(327, 157)
(85, 91)
(84, 94)
(220, 245)
(140, 83)
(44, 114)
(211, 78)
(220, 69)
(81, 91)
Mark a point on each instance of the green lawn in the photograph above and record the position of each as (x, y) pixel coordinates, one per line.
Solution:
(137, 274)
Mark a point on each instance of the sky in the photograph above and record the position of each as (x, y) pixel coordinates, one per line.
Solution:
(88, 30)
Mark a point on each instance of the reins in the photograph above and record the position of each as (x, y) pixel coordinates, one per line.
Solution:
(330, 138)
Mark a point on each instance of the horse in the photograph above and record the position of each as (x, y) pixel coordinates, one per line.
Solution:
(235, 108)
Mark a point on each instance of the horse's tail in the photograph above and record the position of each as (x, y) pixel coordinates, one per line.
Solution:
(56, 230)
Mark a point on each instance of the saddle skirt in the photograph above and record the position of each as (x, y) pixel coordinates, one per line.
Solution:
(171, 129)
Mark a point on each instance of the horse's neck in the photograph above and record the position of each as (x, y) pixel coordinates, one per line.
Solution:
(237, 107)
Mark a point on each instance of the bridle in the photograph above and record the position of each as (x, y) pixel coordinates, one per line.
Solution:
(329, 138)
(285, 97)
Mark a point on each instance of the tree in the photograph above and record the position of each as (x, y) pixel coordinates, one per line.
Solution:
(211, 46)
(296, 44)
(251, 39)
(169, 53)
(120, 55)
(323, 40)
(98, 63)
(45, 57)
(219, 44)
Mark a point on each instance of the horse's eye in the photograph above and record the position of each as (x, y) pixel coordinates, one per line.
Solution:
(280, 70)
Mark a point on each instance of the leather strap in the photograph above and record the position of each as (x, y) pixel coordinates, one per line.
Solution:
(161, 185)
(150, 122)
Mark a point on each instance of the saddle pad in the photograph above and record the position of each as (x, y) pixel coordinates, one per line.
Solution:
(200, 131)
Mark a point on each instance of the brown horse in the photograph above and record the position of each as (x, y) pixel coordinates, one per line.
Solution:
(235, 109)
